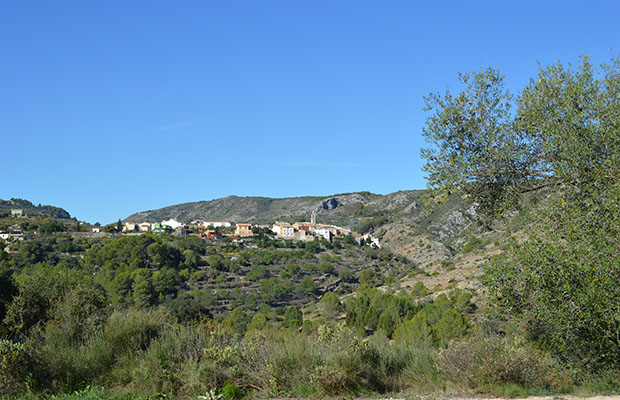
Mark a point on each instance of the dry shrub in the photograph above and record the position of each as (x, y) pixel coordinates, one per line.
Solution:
(484, 362)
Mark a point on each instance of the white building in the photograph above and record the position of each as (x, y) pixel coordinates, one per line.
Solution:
(216, 224)
(14, 236)
(173, 223)
(283, 229)
(324, 232)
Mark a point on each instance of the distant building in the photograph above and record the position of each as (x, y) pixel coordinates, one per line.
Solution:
(181, 230)
(283, 229)
(243, 230)
(371, 240)
(130, 227)
(325, 232)
(216, 224)
(302, 226)
(144, 226)
(17, 212)
(96, 230)
(14, 236)
(173, 223)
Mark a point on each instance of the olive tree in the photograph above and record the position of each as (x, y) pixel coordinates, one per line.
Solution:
(561, 132)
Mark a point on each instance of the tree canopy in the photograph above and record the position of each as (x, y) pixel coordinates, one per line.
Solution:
(561, 130)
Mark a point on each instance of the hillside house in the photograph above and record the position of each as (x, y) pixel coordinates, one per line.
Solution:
(215, 224)
(173, 223)
(243, 230)
(17, 213)
(283, 229)
(130, 227)
(144, 227)
(325, 232)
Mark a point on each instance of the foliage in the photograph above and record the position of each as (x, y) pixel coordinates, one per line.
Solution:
(331, 305)
(563, 131)
(563, 135)
(40, 287)
(484, 362)
(562, 282)
(13, 368)
(370, 224)
(8, 289)
(293, 317)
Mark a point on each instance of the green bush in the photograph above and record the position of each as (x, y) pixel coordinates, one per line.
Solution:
(231, 392)
(132, 331)
(274, 362)
(13, 368)
(419, 290)
(473, 243)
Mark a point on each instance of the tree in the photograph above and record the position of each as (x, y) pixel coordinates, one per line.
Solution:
(414, 332)
(237, 320)
(50, 226)
(562, 283)
(8, 289)
(293, 317)
(258, 322)
(330, 305)
(563, 133)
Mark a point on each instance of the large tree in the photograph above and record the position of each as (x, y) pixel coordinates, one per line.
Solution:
(562, 130)
(564, 133)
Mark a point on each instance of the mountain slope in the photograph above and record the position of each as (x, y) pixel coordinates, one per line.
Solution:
(399, 219)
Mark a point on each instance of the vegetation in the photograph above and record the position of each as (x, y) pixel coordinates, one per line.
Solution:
(154, 316)
(563, 136)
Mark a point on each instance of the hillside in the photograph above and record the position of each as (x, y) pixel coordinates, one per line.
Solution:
(32, 210)
(398, 219)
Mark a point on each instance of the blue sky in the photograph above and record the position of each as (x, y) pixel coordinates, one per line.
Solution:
(108, 108)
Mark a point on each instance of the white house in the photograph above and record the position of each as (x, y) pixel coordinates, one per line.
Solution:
(173, 223)
(324, 232)
(283, 229)
(216, 224)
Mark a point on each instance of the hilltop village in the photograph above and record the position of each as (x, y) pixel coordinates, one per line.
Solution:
(304, 231)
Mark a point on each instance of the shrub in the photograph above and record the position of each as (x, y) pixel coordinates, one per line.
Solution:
(484, 362)
(419, 290)
(133, 330)
(341, 368)
(472, 244)
(230, 391)
(13, 368)
(273, 361)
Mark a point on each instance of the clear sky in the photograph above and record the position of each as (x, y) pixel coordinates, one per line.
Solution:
(113, 107)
